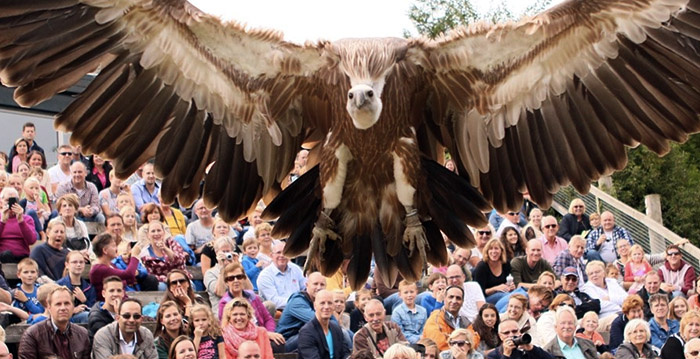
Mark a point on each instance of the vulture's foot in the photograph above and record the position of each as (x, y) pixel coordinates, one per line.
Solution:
(414, 235)
(323, 230)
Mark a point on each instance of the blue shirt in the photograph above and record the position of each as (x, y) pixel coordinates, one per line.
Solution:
(571, 352)
(142, 196)
(277, 286)
(251, 270)
(430, 303)
(659, 335)
(32, 305)
(410, 321)
(329, 341)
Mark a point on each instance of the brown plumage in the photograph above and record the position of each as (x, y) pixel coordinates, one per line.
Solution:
(528, 106)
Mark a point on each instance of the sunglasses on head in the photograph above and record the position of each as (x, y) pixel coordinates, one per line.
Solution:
(178, 281)
(231, 278)
(459, 343)
(128, 316)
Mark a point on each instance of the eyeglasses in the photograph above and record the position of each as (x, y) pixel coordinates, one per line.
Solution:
(694, 353)
(514, 331)
(485, 233)
(66, 153)
(231, 278)
(128, 316)
(674, 253)
(513, 213)
(459, 343)
(578, 206)
(550, 226)
(570, 278)
(178, 281)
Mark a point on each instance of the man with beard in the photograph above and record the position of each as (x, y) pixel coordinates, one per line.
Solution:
(442, 322)
(377, 335)
(322, 338)
(125, 335)
(569, 285)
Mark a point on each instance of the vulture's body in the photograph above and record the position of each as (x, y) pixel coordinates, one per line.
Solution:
(529, 106)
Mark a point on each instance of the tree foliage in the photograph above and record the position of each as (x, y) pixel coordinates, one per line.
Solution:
(434, 17)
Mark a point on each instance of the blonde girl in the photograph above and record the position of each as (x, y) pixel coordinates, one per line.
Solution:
(131, 232)
(636, 268)
(207, 333)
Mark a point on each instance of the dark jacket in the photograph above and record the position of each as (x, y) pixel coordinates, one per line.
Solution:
(570, 226)
(617, 331)
(535, 353)
(38, 342)
(98, 318)
(673, 348)
(629, 351)
(584, 302)
(587, 347)
(313, 345)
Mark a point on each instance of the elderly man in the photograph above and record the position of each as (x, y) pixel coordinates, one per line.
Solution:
(552, 245)
(125, 335)
(572, 257)
(608, 290)
(146, 190)
(473, 297)
(442, 322)
(89, 210)
(377, 335)
(507, 331)
(677, 276)
(299, 310)
(652, 285)
(198, 232)
(527, 269)
(249, 350)
(56, 337)
(602, 242)
(277, 282)
(313, 336)
(566, 345)
(569, 285)
(691, 349)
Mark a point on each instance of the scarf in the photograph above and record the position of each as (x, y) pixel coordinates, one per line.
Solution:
(234, 337)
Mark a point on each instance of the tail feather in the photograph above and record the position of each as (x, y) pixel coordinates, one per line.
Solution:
(361, 260)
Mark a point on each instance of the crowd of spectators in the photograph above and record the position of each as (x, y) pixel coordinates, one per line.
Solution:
(532, 287)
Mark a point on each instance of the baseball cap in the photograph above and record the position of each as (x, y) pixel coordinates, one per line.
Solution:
(569, 271)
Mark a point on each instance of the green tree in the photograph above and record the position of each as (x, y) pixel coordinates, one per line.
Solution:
(434, 17)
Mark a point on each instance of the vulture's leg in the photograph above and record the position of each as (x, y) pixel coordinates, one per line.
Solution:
(324, 228)
(414, 234)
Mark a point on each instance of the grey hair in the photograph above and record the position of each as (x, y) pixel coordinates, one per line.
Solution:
(398, 350)
(632, 325)
(565, 309)
(11, 190)
(221, 241)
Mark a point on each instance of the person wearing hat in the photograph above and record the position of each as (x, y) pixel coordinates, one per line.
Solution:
(569, 285)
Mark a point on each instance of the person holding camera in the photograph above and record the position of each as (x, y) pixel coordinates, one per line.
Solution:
(515, 346)
(566, 345)
(17, 231)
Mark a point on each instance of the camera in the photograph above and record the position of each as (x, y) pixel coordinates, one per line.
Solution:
(228, 256)
(523, 339)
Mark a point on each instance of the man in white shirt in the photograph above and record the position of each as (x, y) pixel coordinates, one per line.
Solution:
(473, 296)
(61, 171)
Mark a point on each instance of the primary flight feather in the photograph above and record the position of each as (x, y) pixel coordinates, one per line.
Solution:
(528, 106)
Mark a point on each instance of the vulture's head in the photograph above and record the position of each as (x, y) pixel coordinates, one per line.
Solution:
(364, 106)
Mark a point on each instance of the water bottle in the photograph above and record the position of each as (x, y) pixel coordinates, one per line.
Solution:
(509, 280)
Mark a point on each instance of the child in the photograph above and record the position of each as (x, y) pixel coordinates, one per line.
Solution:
(339, 309)
(43, 296)
(613, 271)
(207, 333)
(437, 282)
(251, 264)
(588, 330)
(636, 268)
(409, 316)
(131, 232)
(85, 295)
(357, 316)
(37, 200)
(25, 294)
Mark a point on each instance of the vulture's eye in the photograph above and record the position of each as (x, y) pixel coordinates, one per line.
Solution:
(370, 93)
(350, 96)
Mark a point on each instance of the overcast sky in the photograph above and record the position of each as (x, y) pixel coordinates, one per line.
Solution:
(303, 20)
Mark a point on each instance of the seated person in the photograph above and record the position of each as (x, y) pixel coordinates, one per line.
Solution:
(357, 315)
(103, 313)
(589, 330)
(280, 280)
(252, 265)
(85, 296)
(444, 321)
(408, 316)
(527, 269)
(607, 290)
(437, 282)
(632, 308)
(660, 325)
(88, 198)
(636, 268)
(77, 237)
(17, 231)
(377, 335)
(566, 341)
(43, 296)
(677, 276)
(162, 254)
(105, 248)
(239, 328)
(25, 295)
(507, 331)
(316, 335)
(51, 255)
(299, 310)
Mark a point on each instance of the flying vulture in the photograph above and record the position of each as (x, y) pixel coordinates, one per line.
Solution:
(532, 105)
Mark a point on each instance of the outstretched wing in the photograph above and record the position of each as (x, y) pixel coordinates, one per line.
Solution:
(554, 99)
(175, 84)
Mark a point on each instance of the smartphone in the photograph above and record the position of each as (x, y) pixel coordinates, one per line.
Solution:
(11, 201)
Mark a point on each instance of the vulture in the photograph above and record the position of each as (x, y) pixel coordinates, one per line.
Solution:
(527, 106)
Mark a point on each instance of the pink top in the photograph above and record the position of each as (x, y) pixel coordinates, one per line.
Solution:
(551, 251)
(16, 237)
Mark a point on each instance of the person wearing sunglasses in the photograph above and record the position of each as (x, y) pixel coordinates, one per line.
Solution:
(125, 335)
(61, 171)
(507, 331)
(461, 344)
(677, 276)
(180, 291)
(569, 285)
(575, 222)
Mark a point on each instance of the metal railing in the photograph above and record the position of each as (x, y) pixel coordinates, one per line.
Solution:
(648, 233)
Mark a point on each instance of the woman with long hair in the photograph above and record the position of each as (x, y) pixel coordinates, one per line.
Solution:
(183, 348)
(513, 242)
(492, 272)
(21, 155)
(169, 325)
(180, 291)
(485, 329)
(238, 327)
